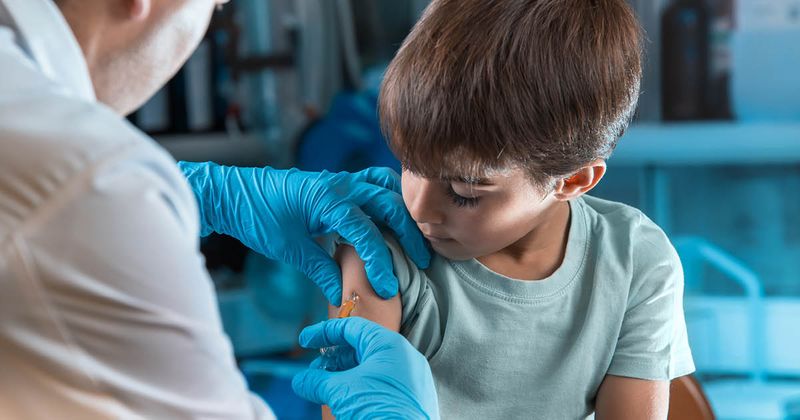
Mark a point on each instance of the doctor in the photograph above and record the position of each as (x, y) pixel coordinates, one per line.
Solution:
(106, 309)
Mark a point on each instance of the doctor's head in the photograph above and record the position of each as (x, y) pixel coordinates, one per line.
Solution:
(133, 47)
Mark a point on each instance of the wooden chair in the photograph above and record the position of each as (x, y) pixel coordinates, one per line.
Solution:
(687, 400)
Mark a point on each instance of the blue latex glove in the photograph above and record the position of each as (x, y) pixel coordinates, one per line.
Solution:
(278, 212)
(381, 376)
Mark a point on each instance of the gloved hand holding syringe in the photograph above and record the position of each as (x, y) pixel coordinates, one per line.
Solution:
(329, 354)
(368, 379)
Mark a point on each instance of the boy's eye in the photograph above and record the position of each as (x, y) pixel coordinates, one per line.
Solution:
(460, 200)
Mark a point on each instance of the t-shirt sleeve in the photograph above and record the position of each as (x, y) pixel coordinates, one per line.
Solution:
(653, 342)
(421, 320)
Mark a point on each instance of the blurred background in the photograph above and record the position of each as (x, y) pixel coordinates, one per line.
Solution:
(713, 157)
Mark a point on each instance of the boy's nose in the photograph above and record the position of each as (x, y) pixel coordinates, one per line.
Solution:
(423, 206)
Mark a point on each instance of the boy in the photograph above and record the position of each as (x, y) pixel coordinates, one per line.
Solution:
(542, 302)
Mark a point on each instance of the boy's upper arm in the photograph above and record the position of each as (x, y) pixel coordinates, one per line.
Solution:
(414, 312)
(370, 306)
(634, 399)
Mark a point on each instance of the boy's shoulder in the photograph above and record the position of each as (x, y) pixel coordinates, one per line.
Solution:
(613, 210)
(618, 217)
(631, 243)
(620, 225)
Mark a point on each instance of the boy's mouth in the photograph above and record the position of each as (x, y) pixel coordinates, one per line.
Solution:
(436, 239)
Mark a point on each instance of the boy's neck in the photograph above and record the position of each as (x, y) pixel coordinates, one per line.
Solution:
(539, 253)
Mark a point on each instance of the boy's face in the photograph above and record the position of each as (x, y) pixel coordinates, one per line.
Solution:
(464, 220)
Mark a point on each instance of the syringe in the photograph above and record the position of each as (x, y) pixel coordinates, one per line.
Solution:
(329, 353)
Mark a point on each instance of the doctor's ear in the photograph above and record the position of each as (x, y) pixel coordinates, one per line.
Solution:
(137, 9)
(581, 181)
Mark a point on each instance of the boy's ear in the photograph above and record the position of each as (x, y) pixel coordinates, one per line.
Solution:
(580, 182)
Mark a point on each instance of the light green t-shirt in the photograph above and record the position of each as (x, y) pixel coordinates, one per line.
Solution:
(501, 348)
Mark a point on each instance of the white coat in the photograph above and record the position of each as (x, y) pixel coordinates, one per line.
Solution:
(106, 309)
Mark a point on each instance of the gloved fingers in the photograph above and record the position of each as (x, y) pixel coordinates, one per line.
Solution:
(365, 336)
(317, 265)
(345, 358)
(314, 385)
(383, 177)
(388, 207)
(350, 222)
(337, 359)
(324, 334)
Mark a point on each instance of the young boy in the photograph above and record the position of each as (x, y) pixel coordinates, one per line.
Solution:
(542, 302)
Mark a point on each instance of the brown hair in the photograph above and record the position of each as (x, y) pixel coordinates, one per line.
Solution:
(546, 85)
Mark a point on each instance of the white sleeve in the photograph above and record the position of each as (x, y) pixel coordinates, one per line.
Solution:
(124, 309)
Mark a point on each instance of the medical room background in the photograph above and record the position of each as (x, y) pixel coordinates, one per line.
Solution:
(713, 157)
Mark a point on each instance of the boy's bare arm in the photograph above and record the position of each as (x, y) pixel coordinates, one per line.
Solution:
(632, 399)
(370, 305)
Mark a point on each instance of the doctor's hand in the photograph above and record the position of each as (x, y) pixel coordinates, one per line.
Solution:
(378, 374)
(278, 213)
